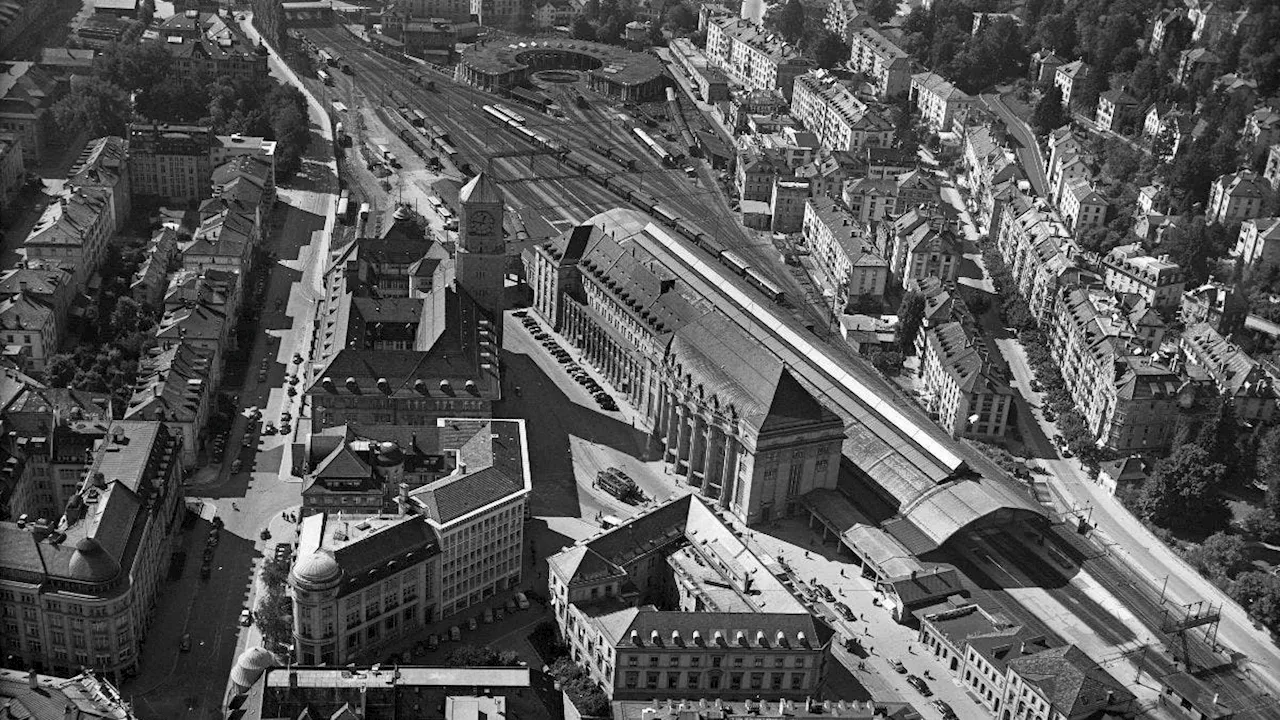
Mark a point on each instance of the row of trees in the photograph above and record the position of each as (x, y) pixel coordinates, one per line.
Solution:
(143, 79)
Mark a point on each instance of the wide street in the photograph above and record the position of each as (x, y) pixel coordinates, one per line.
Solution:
(192, 684)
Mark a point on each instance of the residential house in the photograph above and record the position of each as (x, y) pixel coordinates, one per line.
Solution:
(46, 285)
(1044, 65)
(29, 331)
(845, 19)
(1258, 245)
(12, 173)
(989, 164)
(224, 241)
(1166, 20)
(1192, 62)
(553, 13)
(1222, 306)
(27, 95)
(871, 200)
(939, 102)
(208, 44)
(104, 164)
(152, 276)
(1261, 127)
(847, 268)
(1116, 111)
(754, 175)
(201, 326)
(171, 161)
(1083, 207)
(1068, 78)
(1129, 472)
(1272, 172)
(1237, 377)
(886, 65)
(786, 204)
(1129, 269)
(925, 244)
(753, 57)
(1236, 197)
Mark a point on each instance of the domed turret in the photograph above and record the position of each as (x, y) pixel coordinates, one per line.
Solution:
(316, 571)
(90, 563)
(250, 666)
(389, 453)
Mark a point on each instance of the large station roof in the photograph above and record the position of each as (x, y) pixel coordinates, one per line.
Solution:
(616, 64)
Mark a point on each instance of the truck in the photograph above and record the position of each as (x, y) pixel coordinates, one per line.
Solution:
(387, 156)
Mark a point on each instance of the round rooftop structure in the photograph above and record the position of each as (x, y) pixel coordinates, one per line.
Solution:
(316, 570)
(611, 70)
(250, 666)
(91, 563)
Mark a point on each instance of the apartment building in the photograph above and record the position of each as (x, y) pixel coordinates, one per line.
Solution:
(496, 12)
(1272, 172)
(1068, 77)
(72, 232)
(989, 164)
(939, 102)
(456, 537)
(844, 18)
(104, 164)
(12, 172)
(828, 108)
(964, 391)
(85, 696)
(924, 244)
(848, 268)
(27, 95)
(1128, 269)
(756, 467)
(29, 329)
(870, 201)
(753, 57)
(1194, 61)
(886, 66)
(1236, 197)
(171, 161)
(452, 10)
(78, 591)
(1222, 306)
(206, 44)
(173, 387)
(1129, 402)
(1258, 245)
(1235, 375)
(1083, 207)
(672, 604)
(786, 204)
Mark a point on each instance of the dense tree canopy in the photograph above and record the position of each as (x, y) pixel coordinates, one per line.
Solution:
(830, 50)
(1182, 493)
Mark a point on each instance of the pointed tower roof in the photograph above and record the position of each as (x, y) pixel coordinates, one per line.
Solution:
(481, 189)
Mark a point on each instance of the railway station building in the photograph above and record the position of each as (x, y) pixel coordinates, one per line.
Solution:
(732, 423)
(612, 71)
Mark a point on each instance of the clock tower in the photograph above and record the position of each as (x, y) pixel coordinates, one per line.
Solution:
(482, 250)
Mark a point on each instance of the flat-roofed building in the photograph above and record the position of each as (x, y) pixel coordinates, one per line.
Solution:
(672, 603)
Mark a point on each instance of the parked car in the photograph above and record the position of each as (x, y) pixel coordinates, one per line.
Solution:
(246, 618)
(236, 465)
(899, 668)
(944, 709)
(205, 571)
(498, 614)
(512, 606)
(433, 641)
(488, 616)
(471, 623)
(185, 643)
(522, 601)
(455, 634)
(919, 684)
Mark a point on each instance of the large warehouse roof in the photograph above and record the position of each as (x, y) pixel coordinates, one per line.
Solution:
(936, 483)
(616, 64)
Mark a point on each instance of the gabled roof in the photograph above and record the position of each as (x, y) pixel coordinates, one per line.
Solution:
(492, 467)
(1070, 680)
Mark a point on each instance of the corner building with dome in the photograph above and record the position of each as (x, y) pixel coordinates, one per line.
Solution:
(79, 590)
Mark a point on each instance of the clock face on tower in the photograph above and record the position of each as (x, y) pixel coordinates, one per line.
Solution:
(481, 222)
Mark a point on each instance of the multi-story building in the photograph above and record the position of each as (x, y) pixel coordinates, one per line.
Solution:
(870, 201)
(1062, 682)
(48, 285)
(456, 540)
(753, 57)
(27, 95)
(1129, 402)
(1167, 19)
(72, 232)
(1193, 61)
(205, 44)
(496, 12)
(1116, 110)
(203, 326)
(1083, 207)
(1258, 245)
(724, 440)
(755, 172)
(828, 107)
(451, 368)
(709, 82)
(848, 269)
(844, 18)
(104, 164)
(151, 279)
(1223, 306)
(1068, 77)
(173, 388)
(886, 66)
(924, 244)
(786, 204)
(12, 171)
(1044, 64)
(452, 10)
(1236, 197)
(1235, 375)
(671, 603)
(19, 21)
(171, 161)
(29, 330)
(939, 102)
(989, 164)
(1261, 127)
(78, 591)
(964, 391)
(1128, 269)
(1271, 173)
(32, 696)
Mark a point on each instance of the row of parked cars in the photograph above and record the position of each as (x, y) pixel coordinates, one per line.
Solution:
(519, 601)
(562, 356)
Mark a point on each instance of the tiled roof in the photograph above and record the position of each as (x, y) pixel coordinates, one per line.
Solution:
(493, 453)
(67, 220)
(935, 84)
(171, 384)
(1070, 680)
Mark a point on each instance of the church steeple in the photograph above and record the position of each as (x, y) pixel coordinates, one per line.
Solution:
(482, 247)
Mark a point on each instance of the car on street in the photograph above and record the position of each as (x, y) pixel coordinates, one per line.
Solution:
(235, 465)
(522, 601)
(498, 614)
(185, 643)
(899, 668)
(471, 623)
(205, 571)
(455, 633)
(246, 618)
(511, 605)
(521, 313)
(488, 616)
(270, 429)
(920, 685)
(944, 709)
(433, 641)
(846, 612)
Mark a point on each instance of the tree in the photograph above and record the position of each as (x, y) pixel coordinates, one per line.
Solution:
(1182, 493)
(1269, 468)
(882, 10)
(888, 362)
(1220, 557)
(910, 315)
(681, 17)
(1049, 114)
(472, 656)
(830, 50)
(583, 29)
(274, 617)
(1260, 524)
(99, 107)
(1219, 433)
(790, 22)
(1259, 594)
